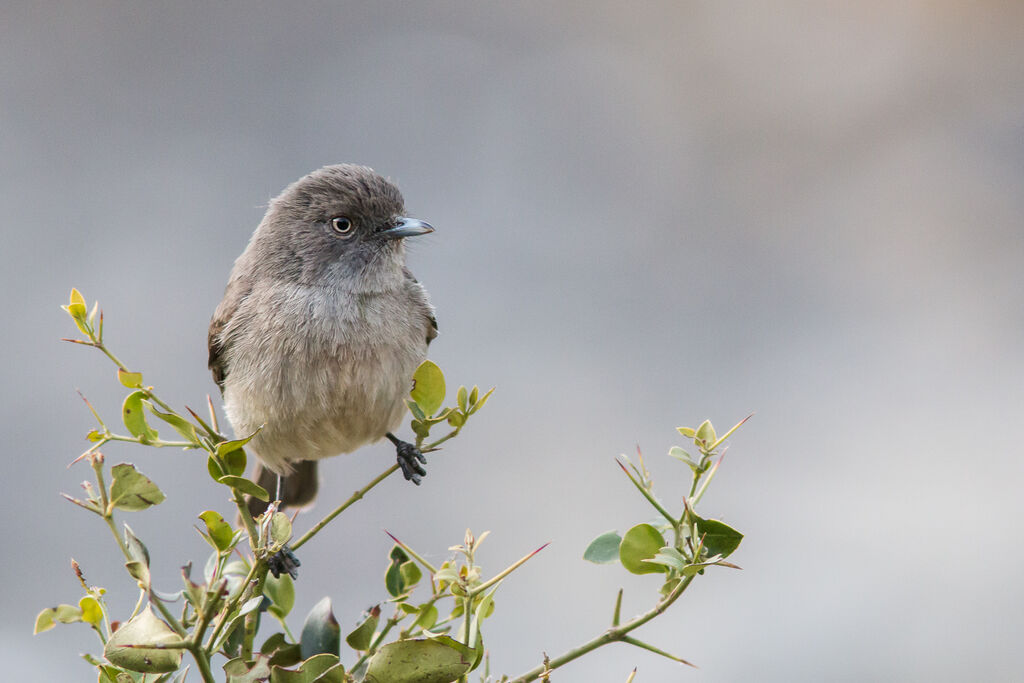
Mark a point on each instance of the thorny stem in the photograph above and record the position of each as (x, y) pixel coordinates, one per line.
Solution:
(450, 435)
(157, 443)
(108, 517)
(252, 618)
(230, 607)
(117, 361)
(612, 635)
(247, 520)
(202, 663)
(344, 506)
(650, 498)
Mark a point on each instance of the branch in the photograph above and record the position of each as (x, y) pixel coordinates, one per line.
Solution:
(344, 506)
(612, 635)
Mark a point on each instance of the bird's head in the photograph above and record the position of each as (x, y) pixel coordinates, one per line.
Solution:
(338, 220)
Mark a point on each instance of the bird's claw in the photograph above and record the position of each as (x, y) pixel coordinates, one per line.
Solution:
(284, 562)
(411, 460)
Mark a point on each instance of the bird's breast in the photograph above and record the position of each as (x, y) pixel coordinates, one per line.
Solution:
(323, 374)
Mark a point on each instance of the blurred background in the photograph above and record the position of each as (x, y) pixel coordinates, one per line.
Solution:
(647, 214)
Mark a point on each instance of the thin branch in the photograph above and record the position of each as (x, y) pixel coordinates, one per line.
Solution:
(341, 508)
(612, 635)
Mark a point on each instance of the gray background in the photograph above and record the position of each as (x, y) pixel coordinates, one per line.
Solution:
(647, 214)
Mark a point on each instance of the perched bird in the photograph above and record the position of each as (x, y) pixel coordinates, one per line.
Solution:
(321, 328)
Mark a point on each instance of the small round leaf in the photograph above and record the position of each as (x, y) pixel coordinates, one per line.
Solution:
(127, 647)
(428, 387)
(604, 549)
(436, 660)
(640, 543)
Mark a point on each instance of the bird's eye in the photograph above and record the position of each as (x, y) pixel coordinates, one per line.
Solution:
(341, 226)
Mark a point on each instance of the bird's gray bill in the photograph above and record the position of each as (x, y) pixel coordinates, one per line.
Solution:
(407, 227)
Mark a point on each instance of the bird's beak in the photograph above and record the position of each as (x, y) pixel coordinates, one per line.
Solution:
(407, 227)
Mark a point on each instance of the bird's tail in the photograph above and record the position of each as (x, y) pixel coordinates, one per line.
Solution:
(298, 489)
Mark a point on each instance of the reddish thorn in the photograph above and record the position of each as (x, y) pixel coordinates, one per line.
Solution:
(83, 455)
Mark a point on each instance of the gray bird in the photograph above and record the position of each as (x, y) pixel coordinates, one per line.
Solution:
(321, 328)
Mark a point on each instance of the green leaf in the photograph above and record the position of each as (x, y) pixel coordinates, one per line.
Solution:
(322, 668)
(235, 572)
(281, 652)
(76, 309)
(640, 543)
(427, 616)
(360, 638)
(421, 660)
(132, 490)
(705, 433)
(185, 428)
(719, 537)
(462, 399)
(193, 590)
(281, 591)
(477, 405)
(132, 380)
(250, 604)
(669, 557)
(234, 462)
(136, 548)
(92, 613)
(225, 447)
(214, 468)
(241, 671)
(440, 417)
(604, 549)
(411, 574)
(135, 419)
(688, 432)
(109, 674)
(393, 579)
(428, 387)
(456, 418)
(679, 454)
(484, 609)
(699, 567)
(245, 486)
(135, 646)
(336, 674)
(320, 632)
(420, 429)
(416, 411)
(45, 620)
(67, 614)
(77, 299)
(280, 531)
(139, 572)
(220, 531)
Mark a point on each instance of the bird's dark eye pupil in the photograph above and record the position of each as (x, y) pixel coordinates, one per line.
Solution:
(341, 225)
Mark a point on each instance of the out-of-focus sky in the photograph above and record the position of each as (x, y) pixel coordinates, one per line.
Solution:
(647, 214)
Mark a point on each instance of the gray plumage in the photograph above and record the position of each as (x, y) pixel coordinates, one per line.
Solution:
(321, 327)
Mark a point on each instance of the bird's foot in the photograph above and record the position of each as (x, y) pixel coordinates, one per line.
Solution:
(409, 459)
(284, 562)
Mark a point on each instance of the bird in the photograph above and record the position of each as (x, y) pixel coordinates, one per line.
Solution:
(321, 329)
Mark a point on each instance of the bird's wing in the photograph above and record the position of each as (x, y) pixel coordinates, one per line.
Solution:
(428, 311)
(237, 290)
